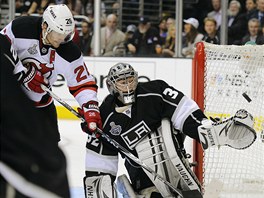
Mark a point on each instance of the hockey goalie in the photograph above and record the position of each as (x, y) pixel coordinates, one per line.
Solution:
(151, 120)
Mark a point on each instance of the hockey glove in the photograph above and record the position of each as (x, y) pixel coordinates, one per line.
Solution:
(236, 132)
(90, 112)
(32, 80)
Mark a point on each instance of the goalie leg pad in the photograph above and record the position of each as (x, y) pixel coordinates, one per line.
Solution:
(156, 152)
(151, 151)
(150, 192)
(124, 187)
(236, 132)
(99, 186)
(188, 180)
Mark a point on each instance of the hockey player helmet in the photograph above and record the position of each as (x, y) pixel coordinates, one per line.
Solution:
(60, 20)
(122, 82)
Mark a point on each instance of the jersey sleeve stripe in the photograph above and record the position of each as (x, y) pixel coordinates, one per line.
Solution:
(77, 89)
(45, 101)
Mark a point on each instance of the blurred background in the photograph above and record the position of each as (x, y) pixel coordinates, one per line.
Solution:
(151, 28)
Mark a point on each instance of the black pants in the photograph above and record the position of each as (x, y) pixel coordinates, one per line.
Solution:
(48, 116)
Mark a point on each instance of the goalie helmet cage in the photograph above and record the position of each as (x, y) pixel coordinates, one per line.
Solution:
(227, 78)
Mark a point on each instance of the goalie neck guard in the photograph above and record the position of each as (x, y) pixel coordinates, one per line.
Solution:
(122, 82)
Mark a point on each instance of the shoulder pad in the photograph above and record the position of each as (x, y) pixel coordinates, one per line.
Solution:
(69, 51)
(27, 27)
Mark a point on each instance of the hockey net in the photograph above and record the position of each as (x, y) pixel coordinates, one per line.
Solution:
(227, 78)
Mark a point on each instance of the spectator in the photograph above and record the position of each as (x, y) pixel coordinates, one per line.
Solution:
(78, 7)
(259, 12)
(86, 38)
(110, 36)
(116, 8)
(88, 10)
(21, 6)
(237, 23)
(169, 22)
(34, 4)
(191, 37)
(38, 6)
(27, 7)
(122, 49)
(75, 6)
(260, 39)
(216, 13)
(210, 27)
(43, 5)
(129, 35)
(251, 6)
(130, 30)
(163, 31)
(253, 32)
(169, 48)
(145, 39)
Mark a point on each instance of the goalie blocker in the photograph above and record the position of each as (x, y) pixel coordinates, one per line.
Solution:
(236, 132)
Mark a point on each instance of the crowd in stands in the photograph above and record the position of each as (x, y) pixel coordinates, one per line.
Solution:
(245, 23)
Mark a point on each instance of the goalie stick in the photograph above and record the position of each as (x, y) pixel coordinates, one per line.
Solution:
(114, 143)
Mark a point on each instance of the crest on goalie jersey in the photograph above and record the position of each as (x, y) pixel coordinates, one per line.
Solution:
(115, 129)
(134, 135)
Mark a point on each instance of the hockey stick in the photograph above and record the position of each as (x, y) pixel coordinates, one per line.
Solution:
(114, 143)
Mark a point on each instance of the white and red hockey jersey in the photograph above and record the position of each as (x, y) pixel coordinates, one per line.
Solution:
(25, 35)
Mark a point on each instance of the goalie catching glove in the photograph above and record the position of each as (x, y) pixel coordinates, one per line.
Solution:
(90, 112)
(236, 132)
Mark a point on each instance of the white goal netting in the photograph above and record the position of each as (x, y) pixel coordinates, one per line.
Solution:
(233, 80)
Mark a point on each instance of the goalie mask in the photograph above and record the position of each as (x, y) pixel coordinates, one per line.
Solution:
(59, 20)
(122, 82)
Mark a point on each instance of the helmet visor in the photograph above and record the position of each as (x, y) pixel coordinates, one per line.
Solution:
(68, 37)
(61, 38)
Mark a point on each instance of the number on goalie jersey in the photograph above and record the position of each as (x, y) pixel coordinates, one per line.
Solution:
(45, 49)
(132, 115)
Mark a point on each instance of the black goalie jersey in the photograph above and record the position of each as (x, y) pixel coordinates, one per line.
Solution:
(128, 125)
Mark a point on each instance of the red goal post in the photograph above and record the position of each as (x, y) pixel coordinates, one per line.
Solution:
(227, 78)
(198, 96)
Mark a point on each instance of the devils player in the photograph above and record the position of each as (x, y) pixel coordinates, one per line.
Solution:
(44, 47)
(151, 119)
(31, 164)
